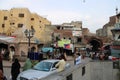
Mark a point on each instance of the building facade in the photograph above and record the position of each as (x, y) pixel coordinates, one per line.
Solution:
(115, 46)
(70, 33)
(106, 30)
(99, 32)
(15, 21)
(11, 20)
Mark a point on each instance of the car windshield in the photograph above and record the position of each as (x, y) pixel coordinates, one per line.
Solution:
(43, 66)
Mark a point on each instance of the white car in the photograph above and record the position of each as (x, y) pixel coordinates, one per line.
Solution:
(40, 70)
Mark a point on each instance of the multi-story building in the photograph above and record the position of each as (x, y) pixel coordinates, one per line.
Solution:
(11, 20)
(70, 32)
(15, 21)
(115, 46)
(106, 30)
(99, 32)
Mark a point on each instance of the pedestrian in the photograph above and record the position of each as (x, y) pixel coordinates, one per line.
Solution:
(77, 59)
(27, 65)
(11, 55)
(15, 69)
(60, 65)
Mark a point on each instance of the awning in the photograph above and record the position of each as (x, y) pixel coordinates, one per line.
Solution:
(7, 39)
(46, 49)
(3, 41)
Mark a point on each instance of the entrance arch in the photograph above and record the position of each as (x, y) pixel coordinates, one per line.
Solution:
(4, 50)
(2, 45)
(12, 48)
(96, 44)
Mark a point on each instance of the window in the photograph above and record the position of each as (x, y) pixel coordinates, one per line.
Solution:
(3, 25)
(64, 38)
(62, 28)
(12, 23)
(83, 71)
(5, 17)
(69, 77)
(79, 39)
(116, 65)
(21, 15)
(119, 37)
(32, 19)
(69, 38)
(58, 27)
(54, 64)
(20, 25)
(57, 38)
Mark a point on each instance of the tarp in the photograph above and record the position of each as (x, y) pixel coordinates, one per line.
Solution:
(65, 43)
(7, 39)
(27, 65)
(67, 46)
(46, 49)
(62, 42)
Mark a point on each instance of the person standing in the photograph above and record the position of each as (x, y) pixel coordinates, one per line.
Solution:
(60, 65)
(11, 55)
(15, 69)
(77, 59)
(27, 65)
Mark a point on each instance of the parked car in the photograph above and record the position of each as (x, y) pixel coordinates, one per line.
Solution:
(40, 70)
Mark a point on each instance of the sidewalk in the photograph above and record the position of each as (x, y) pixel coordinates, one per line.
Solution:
(8, 63)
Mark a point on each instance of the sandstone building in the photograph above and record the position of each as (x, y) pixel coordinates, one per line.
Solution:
(11, 20)
(14, 22)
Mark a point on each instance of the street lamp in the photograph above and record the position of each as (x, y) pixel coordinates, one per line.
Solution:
(29, 34)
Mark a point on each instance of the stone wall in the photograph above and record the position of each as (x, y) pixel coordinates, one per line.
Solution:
(89, 70)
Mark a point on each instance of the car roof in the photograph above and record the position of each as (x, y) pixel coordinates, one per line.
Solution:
(51, 60)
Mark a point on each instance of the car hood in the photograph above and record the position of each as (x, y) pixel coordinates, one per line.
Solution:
(30, 74)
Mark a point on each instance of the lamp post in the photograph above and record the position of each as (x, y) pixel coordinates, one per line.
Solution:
(29, 34)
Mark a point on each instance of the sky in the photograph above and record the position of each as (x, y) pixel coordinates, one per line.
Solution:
(93, 13)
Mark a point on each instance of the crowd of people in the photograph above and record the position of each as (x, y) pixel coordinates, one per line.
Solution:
(57, 54)
(104, 53)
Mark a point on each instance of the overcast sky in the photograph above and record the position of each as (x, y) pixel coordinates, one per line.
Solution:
(93, 13)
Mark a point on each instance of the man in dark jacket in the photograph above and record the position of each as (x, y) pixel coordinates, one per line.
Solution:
(15, 69)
